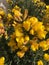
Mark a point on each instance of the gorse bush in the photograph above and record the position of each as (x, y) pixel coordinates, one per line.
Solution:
(24, 33)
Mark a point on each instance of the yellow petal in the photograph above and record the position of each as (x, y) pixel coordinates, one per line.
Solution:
(40, 62)
(26, 25)
(20, 54)
(2, 59)
(32, 32)
(46, 57)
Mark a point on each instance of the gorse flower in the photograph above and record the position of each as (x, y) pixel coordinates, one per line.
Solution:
(40, 62)
(46, 57)
(26, 25)
(41, 34)
(34, 46)
(43, 45)
(2, 12)
(9, 16)
(2, 60)
(20, 54)
(33, 20)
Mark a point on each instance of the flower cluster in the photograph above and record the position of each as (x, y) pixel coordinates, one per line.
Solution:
(24, 34)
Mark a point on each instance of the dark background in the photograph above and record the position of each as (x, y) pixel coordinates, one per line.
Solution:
(46, 1)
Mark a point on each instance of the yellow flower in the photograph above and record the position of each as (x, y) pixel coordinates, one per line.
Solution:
(18, 33)
(20, 54)
(0, 17)
(17, 8)
(9, 16)
(13, 10)
(43, 45)
(40, 62)
(41, 34)
(17, 39)
(1, 24)
(31, 32)
(26, 25)
(14, 24)
(34, 46)
(38, 26)
(33, 20)
(47, 6)
(20, 41)
(2, 60)
(27, 38)
(46, 57)
(2, 12)
(17, 13)
(24, 48)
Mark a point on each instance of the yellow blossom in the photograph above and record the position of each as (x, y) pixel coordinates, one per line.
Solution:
(38, 26)
(26, 25)
(14, 24)
(31, 32)
(2, 12)
(41, 34)
(46, 57)
(18, 33)
(0, 17)
(17, 39)
(9, 16)
(43, 45)
(20, 41)
(17, 8)
(33, 20)
(24, 48)
(13, 10)
(17, 13)
(20, 54)
(34, 46)
(2, 61)
(40, 62)
(1, 24)
(27, 38)
(47, 6)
